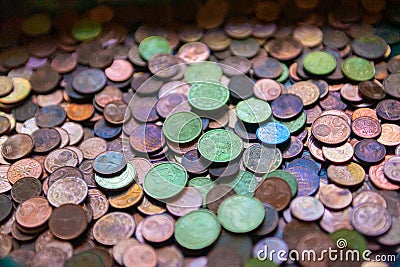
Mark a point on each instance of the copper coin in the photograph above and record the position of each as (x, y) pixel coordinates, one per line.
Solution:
(42, 46)
(68, 221)
(60, 158)
(92, 147)
(64, 172)
(293, 148)
(194, 163)
(107, 95)
(51, 99)
(119, 71)
(390, 135)
(169, 255)
(335, 38)
(368, 197)
(369, 151)
(313, 113)
(4, 125)
(158, 228)
(216, 39)
(307, 208)
(189, 199)
(142, 166)
(366, 127)
(351, 93)
(266, 67)
(193, 52)
(23, 257)
(172, 103)
(391, 169)
(44, 80)
(235, 65)
(98, 203)
(5, 207)
(371, 219)
(17, 146)
(332, 221)
(120, 248)
(26, 111)
(49, 256)
(222, 256)
(350, 174)
(147, 138)
(331, 129)
(14, 57)
(361, 112)
(101, 59)
(318, 241)
(372, 90)
(267, 89)
(144, 109)
(80, 112)
(46, 139)
(247, 47)
(338, 154)
(217, 194)
(25, 189)
(296, 229)
(50, 116)
(140, 255)
(113, 227)
(163, 65)
(64, 63)
(284, 48)
(391, 84)
(332, 101)
(241, 87)
(389, 110)
(287, 106)
(334, 197)
(274, 191)
(34, 212)
(115, 112)
(24, 168)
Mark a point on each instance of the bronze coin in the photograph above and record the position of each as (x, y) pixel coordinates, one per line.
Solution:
(266, 67)
(34, 212)
(115, 112)
(45, 139)
(287, 106)
(391, 85)
(147, 138)
(296, 229)
(194, 163)
(267, 89)
(313, 113)
(80, 112)
(68, 221)
(4, 125)
(372, 90)
(172, 103)
(144, 109)
(17, 146)
(23, 257)
(240, 87)
(331, 129)
(391, 168)
(60, 158)
(64, 62)
(101, 59)
(271, 221)
(107, 95)
(334, 197)
(389, 110)
(193, 52)
(335, 38)
(26, 111)
(50, 116)
(25, 189)
(247, 48)
(366, 127)
(216, 39)
(284, 48)
(86, 169)
(158, 228)
(216, 195)
(293, 148)
(64, 172)
(119, 71)
(320, 242)
(369, 151)
(106, 130)
(148, 256)
(113, 227)
(274, 191)
(14, 57)
(235, 65)
(92, 147)
(44, 80)
(163, 65)
(223, 257)
(332, 101)
(24, 168)
(5, 207)
(351, 93)
(42, 46)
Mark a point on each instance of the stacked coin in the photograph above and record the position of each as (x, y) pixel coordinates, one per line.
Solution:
(200, 136)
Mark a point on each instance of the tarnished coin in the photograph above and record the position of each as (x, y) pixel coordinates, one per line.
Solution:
(68, 221)
(158, 228)
(368, 197)
(391, 169)
(25, 189)
(188, 200)
(113, 227)
(89, 81)
(5, 185)
(45, 139)
(389, 110)
(338, 154)
(366, 127)
(369, 151)
(275, 242)
(274, 191)
(307, 208)
(307, 91)
(217, 194)
(50, 116)
(109, 163)
(371, 219)
(24, 168)
(318, 241)
(259, 159)
(67, 190)
(267, 89)
(147, 138)
(266, 67)
(330, 129)
(33, 213)
(307, 179)
(98, 203)
(64, 172)
(17, 146)
(6, 207)
(92, 147)
(346, 175)
(284, 48)
(60, 158)
(378, 178)
(334, 197)
(287, 106)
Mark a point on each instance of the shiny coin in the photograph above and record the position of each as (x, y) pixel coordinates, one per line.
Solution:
(33, 213)
(307, 208)
(24, 168)
(338, 154)
(60, 158)
(17, 146)
(350, 174)
(127, 198)
(152, 225)
(259, 159)
(307, 91)
(66, 191)
(113, 227)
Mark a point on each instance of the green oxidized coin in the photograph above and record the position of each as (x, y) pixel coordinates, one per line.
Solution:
(241, 214)
(253, 110)
(296, 124)
(153, 45)
(220, 145)
(203, 184)
(319, 63)
(165, 180)
(286, 176)
(351, 239)
(245, 183)
(203, 71)
(358, 69)
(197, 229)
(85, 29)
(285, 74)
(208, 96)
(182, 127)
(117, 182)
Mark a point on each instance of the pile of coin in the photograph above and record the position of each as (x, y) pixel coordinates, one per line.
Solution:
(200, 139)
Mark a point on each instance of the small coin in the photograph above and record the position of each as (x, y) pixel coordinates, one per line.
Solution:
(208, 96)
(369, 47)
(60, 158)
(267, 89)
(372, 90)
(338, 154)
(259, 159)
(68, 221)
(266, 67)
(6, 207)
(106, 130)
(92, 147)
(119, 71)
(25, 189)
(287, 106)
(369, 151)
(307, 91)
(274, 191)
(390, 135)
(64, 172)
(307, 208)
(44, 80)
(6, 86)
(318, 240)
(182, 127)
(366, 127)
(68, 190)
(253, 110)
(109, 163)
(369, 197)
(193, 52)
(45, 139)
(147, 138)
(368, 225)
(391, 168)
(89, 81)
(326, 129)
(113, 227)
(378, 178)
(149, 258)
(307, 179)
(153, 45)
(98, 203)
(24, 168)
(188, 200)
(50, 116)
(334, 197)
(158, 228)
(350, 174)
(17, 146)
(80, 112)
(284, 48)
(34, 212)
(127, 198)
(388, 110)
(358, 69)
(273, 133)
(119, 181)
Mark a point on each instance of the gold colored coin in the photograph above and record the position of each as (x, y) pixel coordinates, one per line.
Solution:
(21, 89)
(307, 91)
(149, 208)
(339, 154)
(390, 135)
(346, 175)
(128, 198)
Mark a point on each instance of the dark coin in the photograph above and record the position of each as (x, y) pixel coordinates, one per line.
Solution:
(172, 103)
(369, 47)
(144, 109)
(106, 130)
(44, 80)
(64, 172)
(68, 221)
(101, 59)
(147, 138)
(322, 86)
(14, 57)
(86, 258)
(115, 112)
(86, 169)
(223, 257)
(287, 106)
(372, 90)
(235, 65)
(392, 85)
(389, 110)
(270, 222)
(335, 38)
(50, 116)
(332, 101)
(285, 48)
(138, 79)
(150, 86)
(26, 188)
(26, 111)
(217, 194)
(241, 87)
(293, 148)
(266, 67)
(89, 81)
(394, 64)
(228, 171)
(369, 151)
(307, 180)
(5, 206)
(247, 48)
(109, 163)
(242, 132)
(5, 124)
(295, 230)
(194, 163)
(274, 191)
(85, 50)
(17, 146)
(305, 162)
(46, 139)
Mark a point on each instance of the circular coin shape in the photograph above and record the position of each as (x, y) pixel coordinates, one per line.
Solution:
(366, 127)
(85, 29)
(6, 207)
(330, 129)
(369, 47)
(109, 163)
(119, 71)
(24, 168)
(391, 85)
(80, 112)
(158, 228)
(68, 190)
(127, 198)
(338, 154)
(358, 69)
(60, 158)
(25, 189)
(21, 90)
(266, 67)
(89, 81)
(140, 255)
(182, 127)
(6, 85)
(392, 169)
(319, 63)
(371, 219)
(307, 91)
(273, 133)
(188, 200)
(50, 116)
(220, 146)
(113, 227)
(369, 151)
(147, 138)
(388, 110)
(287, 106)
(307, 208)
(197, 229)
(46, 139)
(390, 135)
(120, 181)
(253, 110)
(284, 48)
(334, 197)
(68, 221)
(17, 146)
(165, 180)
(208, 96)
(203, 72)
(259, 159)
(347, 175)
(289, 178)
(86, 258)
(153, 45)
(274, 191)
(33, 213)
